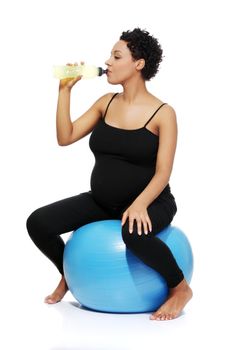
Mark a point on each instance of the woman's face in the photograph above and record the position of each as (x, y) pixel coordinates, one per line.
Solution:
(121, 65)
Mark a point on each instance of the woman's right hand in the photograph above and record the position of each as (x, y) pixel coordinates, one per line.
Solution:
(68, 83)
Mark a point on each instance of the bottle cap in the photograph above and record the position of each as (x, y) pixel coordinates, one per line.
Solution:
(101, 71)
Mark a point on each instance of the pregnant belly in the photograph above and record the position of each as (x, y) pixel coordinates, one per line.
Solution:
(119, 183)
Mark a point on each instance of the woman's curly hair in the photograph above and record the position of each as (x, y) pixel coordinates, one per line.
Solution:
(143, 45)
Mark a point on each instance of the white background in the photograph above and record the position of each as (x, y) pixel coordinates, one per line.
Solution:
(196, 79)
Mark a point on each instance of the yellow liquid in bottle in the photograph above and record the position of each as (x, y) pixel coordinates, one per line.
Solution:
(64, 72)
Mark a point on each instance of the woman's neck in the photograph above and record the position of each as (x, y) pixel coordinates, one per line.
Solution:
(134, 90)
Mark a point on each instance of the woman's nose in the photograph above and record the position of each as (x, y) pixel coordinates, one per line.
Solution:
(108, 62)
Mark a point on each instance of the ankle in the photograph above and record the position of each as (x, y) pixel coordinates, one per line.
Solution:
(62, 281)
(181, 287)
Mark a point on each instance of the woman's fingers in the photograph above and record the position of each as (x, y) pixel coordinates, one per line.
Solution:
(140, 222)
(145, 227)
(143, 222)
(149, 223)
(124, 217)
(131, 221)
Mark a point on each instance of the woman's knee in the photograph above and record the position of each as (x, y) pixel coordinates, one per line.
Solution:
(130, 239)
(34, 223)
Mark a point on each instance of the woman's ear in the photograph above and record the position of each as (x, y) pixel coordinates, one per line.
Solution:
(140, 64)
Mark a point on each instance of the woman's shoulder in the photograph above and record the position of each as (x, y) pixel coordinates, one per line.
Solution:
(164, 107)
(158, 102)
(107, 97)
(103, 101)
(165, 114)
(166, 117)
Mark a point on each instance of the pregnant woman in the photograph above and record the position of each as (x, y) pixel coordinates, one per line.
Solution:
(133, 138)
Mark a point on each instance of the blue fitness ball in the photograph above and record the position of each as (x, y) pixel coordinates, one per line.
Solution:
(102, 274)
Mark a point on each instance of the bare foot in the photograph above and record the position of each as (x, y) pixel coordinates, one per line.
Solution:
(178, 298)
(58, 294)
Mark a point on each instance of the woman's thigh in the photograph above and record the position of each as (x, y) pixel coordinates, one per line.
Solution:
(67, 214)
(161, 215)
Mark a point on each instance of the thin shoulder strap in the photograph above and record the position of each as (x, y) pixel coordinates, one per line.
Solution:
(109, 104)
(154, 114)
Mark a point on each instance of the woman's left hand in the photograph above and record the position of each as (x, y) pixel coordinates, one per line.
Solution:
(137, 211)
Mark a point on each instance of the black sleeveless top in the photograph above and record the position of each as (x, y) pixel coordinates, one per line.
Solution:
(125, 162)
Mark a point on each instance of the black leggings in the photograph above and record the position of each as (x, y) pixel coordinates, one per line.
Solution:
(46, 224)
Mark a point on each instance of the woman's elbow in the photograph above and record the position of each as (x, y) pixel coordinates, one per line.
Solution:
(62, 142)
(164, 174)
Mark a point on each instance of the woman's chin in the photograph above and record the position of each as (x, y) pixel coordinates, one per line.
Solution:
(113, 82)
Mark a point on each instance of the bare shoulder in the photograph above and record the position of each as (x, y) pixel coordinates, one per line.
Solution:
(169, 110)
(165, 110)
(166, 114)
(103, 101)
(167, 124)
(165, 120)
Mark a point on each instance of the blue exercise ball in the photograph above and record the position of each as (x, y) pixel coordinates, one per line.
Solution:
(102, 274)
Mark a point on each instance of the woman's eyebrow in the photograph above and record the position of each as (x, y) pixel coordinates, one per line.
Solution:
(116, 51)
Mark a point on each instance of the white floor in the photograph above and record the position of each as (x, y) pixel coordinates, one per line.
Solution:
(67, 327)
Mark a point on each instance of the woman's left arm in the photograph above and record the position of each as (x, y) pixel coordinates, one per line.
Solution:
(167, 146)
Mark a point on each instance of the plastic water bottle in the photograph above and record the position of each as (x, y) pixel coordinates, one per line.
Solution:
(87, 71)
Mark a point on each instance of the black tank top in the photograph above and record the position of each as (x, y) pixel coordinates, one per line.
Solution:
(125, 162)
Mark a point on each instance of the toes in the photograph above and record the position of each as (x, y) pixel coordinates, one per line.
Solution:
(168, 317)
(52, 299)
(156, 316)
(162, 317)
(49, 300)
(153, 316)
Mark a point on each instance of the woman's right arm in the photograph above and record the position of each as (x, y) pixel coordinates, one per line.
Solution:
(63, 120)
(69, 132)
